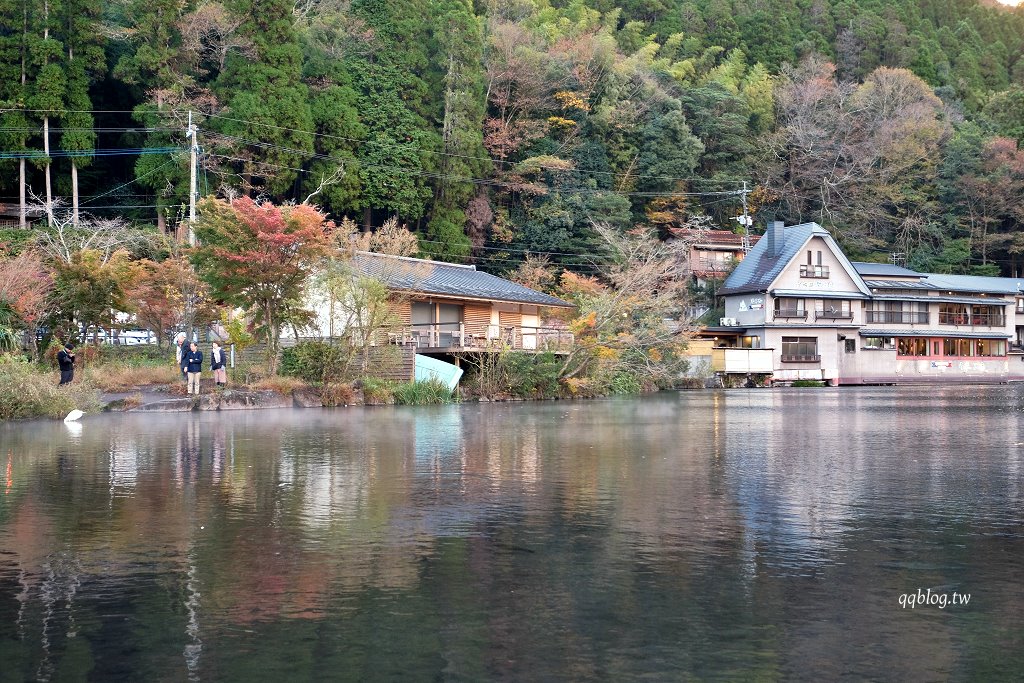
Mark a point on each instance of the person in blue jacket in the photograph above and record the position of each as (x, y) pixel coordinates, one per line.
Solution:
(192, 363)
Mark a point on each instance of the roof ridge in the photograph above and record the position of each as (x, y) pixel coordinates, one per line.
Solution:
(417, 260)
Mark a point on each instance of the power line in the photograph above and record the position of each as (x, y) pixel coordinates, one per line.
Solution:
(133, 180)
(73, 153)
(456, 156)
(441, 176)
(377, 143)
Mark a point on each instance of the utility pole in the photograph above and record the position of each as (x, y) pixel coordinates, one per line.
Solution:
(747, 224)
(192, 163)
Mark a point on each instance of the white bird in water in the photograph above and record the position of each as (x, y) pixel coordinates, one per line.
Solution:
(74, 416)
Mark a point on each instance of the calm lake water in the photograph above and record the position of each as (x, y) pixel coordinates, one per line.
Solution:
(733, 535)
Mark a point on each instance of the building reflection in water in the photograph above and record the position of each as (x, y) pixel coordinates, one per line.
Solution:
(612, 524)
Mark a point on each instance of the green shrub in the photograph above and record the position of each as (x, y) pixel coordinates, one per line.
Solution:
(624, 382)
(137, 355)
(429, 392)
(26, 392)
(807, 383)
(316, 362)
(378, 392)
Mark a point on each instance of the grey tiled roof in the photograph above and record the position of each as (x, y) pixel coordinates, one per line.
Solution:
(758, 270)
(883, 270)
(976, 283)
(943, 299)
(876, 332)
(899, 284)
(447, 279)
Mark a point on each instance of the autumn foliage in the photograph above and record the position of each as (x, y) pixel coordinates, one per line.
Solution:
(258, 257)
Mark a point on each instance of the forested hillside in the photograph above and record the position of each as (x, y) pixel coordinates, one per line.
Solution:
(499, 127)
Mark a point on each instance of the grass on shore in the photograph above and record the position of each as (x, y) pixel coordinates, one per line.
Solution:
(115, 378)
(27, 392)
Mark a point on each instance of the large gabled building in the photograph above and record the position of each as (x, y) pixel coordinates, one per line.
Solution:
(796, 304)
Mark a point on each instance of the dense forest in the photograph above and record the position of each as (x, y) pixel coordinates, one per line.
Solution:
(500, 127)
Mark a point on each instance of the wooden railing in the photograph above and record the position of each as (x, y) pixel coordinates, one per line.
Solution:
(454, 336)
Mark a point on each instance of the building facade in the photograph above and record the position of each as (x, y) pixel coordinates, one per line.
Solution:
(798, 301)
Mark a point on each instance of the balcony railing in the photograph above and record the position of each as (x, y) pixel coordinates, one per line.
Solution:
(977, 319)
(790, 313)
(455, 336)
(833, 315)
(897, 317)
(814, 271)
(800, 358)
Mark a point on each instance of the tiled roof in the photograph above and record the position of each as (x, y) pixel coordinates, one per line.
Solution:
(976, 283)
(758, 270)
(944, 299)
(447, 279)
(818, 294)
(875, 332)
(899, 284)
(713, 237)
(883, 270)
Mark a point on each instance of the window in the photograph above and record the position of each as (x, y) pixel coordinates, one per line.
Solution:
(990, 347)
(818, 271)
(1020, 305)
(751, 342)
(911, 346)
(989, 316)
(879, 343)
(833, 309)
(953, 314)
(786, 307)
(851, 345)
(897, 312)
(800, 350)
(956, 347)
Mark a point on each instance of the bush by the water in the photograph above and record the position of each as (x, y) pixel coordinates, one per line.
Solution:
(807, 383)
(428, 392)
(26, 392)
(521, 375)
(316, 362)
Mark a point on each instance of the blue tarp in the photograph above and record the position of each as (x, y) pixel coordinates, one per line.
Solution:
(428, 368)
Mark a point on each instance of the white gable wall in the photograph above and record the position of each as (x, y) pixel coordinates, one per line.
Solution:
(837, 281)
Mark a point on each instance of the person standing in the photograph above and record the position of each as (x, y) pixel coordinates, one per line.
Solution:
(180, 350)
(66, 363)
(193, 364)
(220, 375)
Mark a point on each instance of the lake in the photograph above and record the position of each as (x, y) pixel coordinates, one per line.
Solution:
(807, 534)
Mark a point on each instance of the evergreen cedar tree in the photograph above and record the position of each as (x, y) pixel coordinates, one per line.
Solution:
(495, 131)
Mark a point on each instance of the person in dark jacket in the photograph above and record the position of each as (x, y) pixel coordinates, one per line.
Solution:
(66, 363)
(193, 364)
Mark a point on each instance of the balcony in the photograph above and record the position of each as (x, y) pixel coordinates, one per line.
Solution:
(781, 313)
(974, 320)
(897, 317)
(801, 358)
(450, 337)
(833, 315)
(820, 272)
(741, 361)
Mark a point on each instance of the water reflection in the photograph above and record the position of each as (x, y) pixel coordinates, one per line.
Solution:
(712, 535)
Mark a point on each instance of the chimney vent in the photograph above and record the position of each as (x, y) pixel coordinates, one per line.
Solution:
(774, 235)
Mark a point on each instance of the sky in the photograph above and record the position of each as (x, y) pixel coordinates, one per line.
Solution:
(1010, 2)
